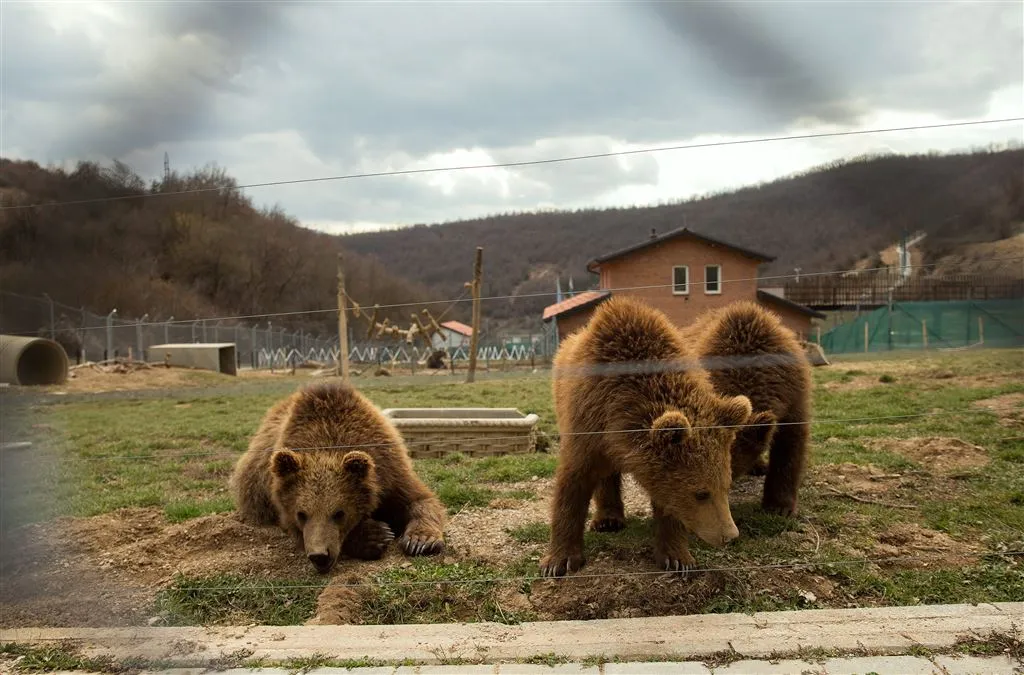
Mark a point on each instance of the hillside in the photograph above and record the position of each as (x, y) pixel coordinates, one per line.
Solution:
(196, 255)
(824, 219)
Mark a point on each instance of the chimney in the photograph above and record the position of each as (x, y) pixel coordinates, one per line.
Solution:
(654, 233)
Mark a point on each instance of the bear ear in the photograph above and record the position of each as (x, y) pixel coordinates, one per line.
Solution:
(736, 411)
(671, 427)
(357, 464)
(285, 463)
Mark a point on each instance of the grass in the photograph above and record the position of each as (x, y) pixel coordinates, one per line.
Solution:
(176, 452)
(230, 599)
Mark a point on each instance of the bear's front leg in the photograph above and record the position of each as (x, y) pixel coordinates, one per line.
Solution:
(573, 489)
(671, 543)
(424, 533)
(368, 540)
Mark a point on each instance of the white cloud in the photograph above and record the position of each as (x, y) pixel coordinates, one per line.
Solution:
(294, 91)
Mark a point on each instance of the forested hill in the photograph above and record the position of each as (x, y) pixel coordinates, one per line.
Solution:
(193, 255)
(820, 220)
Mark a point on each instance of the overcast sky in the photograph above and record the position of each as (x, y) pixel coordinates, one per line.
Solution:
(298, 90)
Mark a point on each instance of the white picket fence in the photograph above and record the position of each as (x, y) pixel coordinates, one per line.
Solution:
(284, 357)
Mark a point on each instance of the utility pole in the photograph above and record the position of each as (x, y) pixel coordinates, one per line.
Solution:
(474, 339)
(342, 324)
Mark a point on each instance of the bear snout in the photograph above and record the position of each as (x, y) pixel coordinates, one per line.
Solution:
(322, 562)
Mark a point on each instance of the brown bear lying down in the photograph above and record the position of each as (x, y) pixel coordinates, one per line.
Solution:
(628, 399)
(747, 350)
(330, 470)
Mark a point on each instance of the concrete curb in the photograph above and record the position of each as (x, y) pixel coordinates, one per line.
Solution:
(891, 630)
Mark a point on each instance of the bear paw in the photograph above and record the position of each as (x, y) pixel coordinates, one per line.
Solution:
(780, 507)
(560, 565)
(760, 467)
(422, 542)
(610, 524)
(369, 540)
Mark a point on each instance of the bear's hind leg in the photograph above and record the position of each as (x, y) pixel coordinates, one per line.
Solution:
(785, 469)
(610, 513)
(671, 542)
(368, 540)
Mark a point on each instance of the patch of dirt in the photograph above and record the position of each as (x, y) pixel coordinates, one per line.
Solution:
(856, 479)
(1009, 408)
(338, 603)
(937, 454)
(923, 548)
(106, 570)
(90, 381)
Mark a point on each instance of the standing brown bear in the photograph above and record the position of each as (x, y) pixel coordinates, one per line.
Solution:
(330, 470)
(747, 350)
(628, 399)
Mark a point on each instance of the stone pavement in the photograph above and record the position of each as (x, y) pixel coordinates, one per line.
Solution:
(882, 665)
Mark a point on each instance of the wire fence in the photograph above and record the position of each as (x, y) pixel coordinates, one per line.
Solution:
(86, 336)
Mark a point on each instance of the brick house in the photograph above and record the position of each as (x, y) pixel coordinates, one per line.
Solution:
(682, 273)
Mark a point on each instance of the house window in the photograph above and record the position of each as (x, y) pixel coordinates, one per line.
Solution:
(712, 279)
(680, 280)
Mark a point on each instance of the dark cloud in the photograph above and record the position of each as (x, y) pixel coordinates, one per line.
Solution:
(371, 86)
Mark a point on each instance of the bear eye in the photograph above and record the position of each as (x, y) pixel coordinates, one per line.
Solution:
(338, 516)
(302, 517)
(703, 496)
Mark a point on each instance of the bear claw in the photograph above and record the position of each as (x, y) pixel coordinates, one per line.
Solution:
(422, 545)
(612, 524)
(553, 566)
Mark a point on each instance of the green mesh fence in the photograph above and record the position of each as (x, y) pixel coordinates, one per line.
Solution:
(939, 325)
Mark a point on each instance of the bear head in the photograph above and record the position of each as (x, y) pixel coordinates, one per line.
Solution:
(689, 470)
(321, 496)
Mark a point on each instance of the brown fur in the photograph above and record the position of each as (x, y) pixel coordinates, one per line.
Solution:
(331, 471)
(653, 425)
(747, 350)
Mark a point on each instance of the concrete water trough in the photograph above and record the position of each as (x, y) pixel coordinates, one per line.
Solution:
(431, 433)
(32, 361)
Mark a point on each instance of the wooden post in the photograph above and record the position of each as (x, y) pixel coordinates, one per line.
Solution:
(818, 328)
(981, 330)
(924, 332)
(474, 339)
(866, 337)
(342, 324)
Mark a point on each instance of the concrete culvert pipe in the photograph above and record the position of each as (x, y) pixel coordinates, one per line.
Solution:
(32, 361)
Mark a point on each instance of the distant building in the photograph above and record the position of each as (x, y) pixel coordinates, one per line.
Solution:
(682, 273)
(454, 335)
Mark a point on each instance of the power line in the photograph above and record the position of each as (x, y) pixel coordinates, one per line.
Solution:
(532, 162)
(462, 298)
(596, 575)
(364, 446)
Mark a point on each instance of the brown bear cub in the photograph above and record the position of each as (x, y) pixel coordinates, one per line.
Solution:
(629, 400)
(331, 471)
(747, 350)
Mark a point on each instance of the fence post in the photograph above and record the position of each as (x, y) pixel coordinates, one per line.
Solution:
(139, 343)
(865, 337)
(924, 332)
(474, 338)
(981, 330)
(252, 347)
(167, 330)
(204, 332)
(195, 337)
(53, 329)
(109, 352)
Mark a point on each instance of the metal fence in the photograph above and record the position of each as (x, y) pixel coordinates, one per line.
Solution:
(91, 337)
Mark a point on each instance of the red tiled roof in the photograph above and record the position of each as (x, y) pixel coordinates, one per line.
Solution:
(458, 327)
(575, 302)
